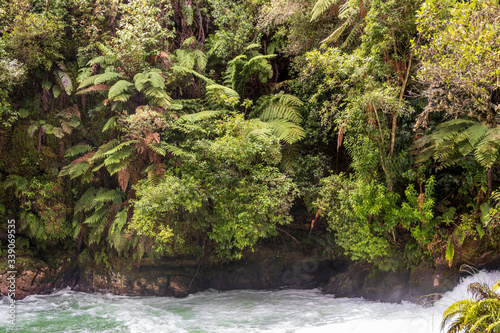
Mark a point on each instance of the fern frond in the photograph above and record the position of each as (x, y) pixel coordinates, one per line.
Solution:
(78, 169)
(64, 81)
(201, 59)
(321, 6)
(18, 182)
(107, 77)
(119, 88)
(189, 41)
(140, 80)
(180, 70)
(476, 133)
(157, 96)
(119, 147)
(84, 204)
(120, 220)
(97, 217)
(77, 150)
(283, 129)
(103, 60)
(214, 43)
(198, 116)
(98, 167)
(334, 36)
(110, 124)
(217, 95)
(115, 196)
(87, 82)
(156, 79)
(351, 37)
(118, 156)
(117, 166)
(98, 87)
(486, 152)
(252, 47)
(185, 104)
(185, 58)
(119, 241)
(281, 106)
(101, 152)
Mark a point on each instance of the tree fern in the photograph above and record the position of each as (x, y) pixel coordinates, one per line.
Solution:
(157, 96)
(201, 59)
(214, 44)
(114, 196)
(156, 79)
(120, 89)
(110, 124)
(117, 166)
(481, 313)
(239, 71)
(180, 71)
(18, 182)
(98, 216)
(219, 96)
(456, 138)
(119, 147)
(106, 77)
(84, 204)
(162, 148)
(199, 116)
(281, 106)
(64, 81)
(185, 58)
(103, 60)
(321, 7)
(101, 152)
(153, 86)
(282, 129)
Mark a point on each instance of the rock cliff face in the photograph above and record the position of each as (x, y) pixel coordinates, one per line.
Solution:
(262, 269)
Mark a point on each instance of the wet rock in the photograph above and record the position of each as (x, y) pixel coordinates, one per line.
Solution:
(35, 276)
(350, 283)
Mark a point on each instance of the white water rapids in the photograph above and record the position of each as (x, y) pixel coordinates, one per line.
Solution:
(245, 311)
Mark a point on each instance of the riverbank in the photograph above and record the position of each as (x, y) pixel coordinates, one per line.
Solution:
(263, 269)
(279, 311)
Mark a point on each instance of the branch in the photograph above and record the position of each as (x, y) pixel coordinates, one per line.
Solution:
(295, 239)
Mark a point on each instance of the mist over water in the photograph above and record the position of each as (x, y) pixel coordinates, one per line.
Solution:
(281, 311)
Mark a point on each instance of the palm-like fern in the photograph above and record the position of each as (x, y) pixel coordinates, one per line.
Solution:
(240, 69)
(457, 138)
(98, 205)
(120, 88)
(348, 12)
(190, 57)
(279, 115)
(276, 115)
(481, 313)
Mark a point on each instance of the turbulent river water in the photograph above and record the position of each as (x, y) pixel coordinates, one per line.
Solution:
(231, 311)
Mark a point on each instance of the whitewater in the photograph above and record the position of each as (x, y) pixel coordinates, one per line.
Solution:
(281, 311)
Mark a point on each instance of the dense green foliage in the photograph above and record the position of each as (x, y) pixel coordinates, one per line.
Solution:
(147, 128)
(481, 313)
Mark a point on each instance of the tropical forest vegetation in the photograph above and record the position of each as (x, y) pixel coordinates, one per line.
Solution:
(141, 129)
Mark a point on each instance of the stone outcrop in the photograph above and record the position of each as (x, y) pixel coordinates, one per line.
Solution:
(263, 269)
(35, 276)
(420, 285)
(178, 277)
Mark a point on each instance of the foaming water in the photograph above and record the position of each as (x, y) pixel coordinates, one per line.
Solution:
(285, 311)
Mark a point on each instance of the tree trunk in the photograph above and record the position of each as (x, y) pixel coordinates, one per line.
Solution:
(489, 172)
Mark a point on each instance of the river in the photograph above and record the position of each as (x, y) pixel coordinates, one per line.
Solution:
(282, 311)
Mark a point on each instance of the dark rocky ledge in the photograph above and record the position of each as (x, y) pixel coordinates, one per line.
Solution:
(262, 269)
